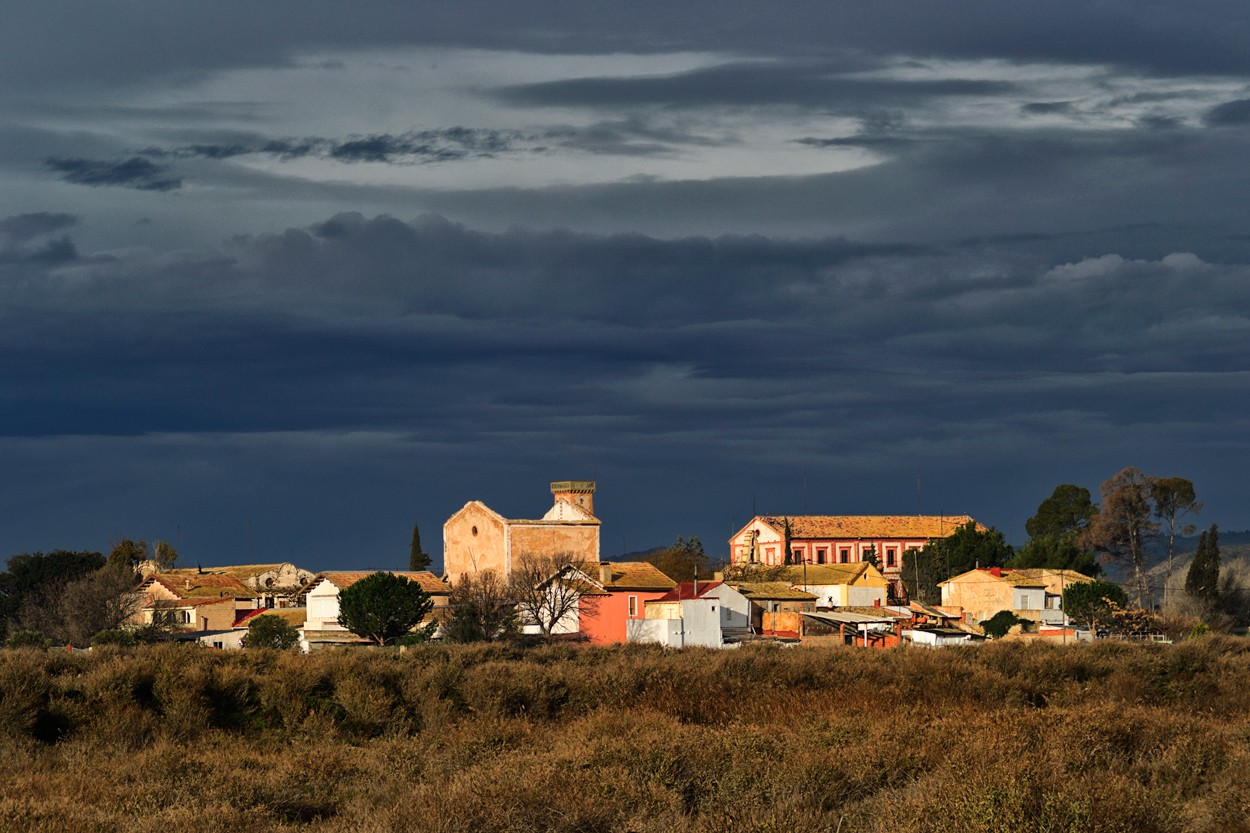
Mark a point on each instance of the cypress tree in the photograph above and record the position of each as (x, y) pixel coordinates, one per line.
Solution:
(1203, 579)
(418, 559)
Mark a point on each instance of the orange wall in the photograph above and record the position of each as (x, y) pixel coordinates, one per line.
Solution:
(465, 552)
(581, 541)
(603, 618)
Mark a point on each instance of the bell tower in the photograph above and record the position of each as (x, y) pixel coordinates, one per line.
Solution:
(580, 493)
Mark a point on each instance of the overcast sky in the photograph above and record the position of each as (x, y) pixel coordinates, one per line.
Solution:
(278, 280)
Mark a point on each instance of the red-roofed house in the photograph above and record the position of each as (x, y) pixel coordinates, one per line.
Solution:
(194, 602)
(710, 614)
(841, 539)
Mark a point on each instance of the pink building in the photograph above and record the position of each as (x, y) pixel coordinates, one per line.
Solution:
(841, 539)
(618, 595)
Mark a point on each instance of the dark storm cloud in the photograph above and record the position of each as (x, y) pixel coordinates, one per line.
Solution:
(1229, 113)
(130, 41)
(20, 238)
(135, 172)
(650, 329)
(1046, 107)
(757, 83)
(359, 344)
(628, 136)
(22, 227)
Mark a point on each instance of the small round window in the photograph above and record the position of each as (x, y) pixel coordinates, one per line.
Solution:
(474, 530)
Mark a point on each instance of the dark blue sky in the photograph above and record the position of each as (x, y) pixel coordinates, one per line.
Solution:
(289, 279)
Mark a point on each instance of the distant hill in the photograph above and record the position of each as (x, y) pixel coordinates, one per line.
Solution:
(636, 555)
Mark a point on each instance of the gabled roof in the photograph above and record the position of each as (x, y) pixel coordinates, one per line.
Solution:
(291, 615)
(685, 590)
(829, 573)
(194, 585)
(773, 591)
(1048, 576)
(634, 575)
(1011, 577)
(805, 527)
(429, 582)
(174, 604)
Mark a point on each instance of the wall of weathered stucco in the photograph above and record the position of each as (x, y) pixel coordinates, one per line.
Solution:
(466, 550)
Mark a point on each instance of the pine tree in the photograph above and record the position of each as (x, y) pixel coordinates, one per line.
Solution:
(418, 559)
(1203, 579)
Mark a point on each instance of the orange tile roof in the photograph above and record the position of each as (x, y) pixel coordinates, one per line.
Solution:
(633, 575)
(198, 586)
(429, 582)
(772, 591)
(867, 526)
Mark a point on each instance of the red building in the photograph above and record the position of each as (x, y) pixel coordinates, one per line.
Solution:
(841, 539)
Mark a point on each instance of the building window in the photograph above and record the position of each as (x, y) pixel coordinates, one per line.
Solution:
(891, 556)
(796, 555)
(186, 617)
(844, 554)
(822, 555)
(633, 605)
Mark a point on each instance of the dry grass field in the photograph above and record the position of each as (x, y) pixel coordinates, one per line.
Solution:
(1005, 737)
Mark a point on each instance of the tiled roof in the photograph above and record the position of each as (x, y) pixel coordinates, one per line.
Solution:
(685, 590)
(826, 573)
(772, 591)
(291, 615)
(634, 575)
(804, 527)
(195, 585)
(1047, 575)
(173, 604)
(1012, 577)
(429, 582)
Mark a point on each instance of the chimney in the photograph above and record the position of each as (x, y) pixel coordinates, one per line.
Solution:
(997, 572)
(577, 492)
(187, 583)
(605, 573)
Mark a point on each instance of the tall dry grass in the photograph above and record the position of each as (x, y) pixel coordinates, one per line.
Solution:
(1007, 737)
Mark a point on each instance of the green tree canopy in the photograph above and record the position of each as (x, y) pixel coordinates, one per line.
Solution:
(1067, 511)
(964, 550)
(1093, 603)
(383, 607)
(271, 631)
(1056, 553)
(1000, 623)
(680, 561)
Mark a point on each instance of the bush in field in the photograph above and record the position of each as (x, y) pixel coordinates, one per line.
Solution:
(1000, 623)
(383, 607)
(118, 637)
(27, 639)
(270, 631)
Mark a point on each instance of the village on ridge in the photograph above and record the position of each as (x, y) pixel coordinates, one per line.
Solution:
(841, 584)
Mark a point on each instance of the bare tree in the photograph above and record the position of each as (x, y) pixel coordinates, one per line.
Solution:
(548, 590)
(1123, 522)
(481, 608)
(71, 613)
